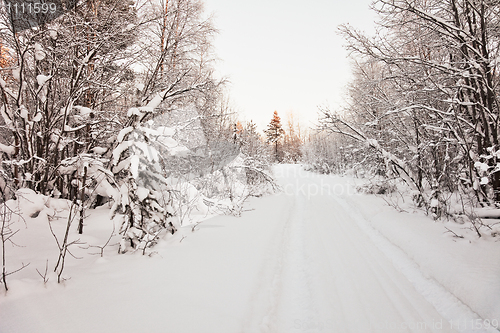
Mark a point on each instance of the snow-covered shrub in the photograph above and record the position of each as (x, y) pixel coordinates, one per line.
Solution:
(255, 159)
(378, 185)
(99, 181)
(259, 177)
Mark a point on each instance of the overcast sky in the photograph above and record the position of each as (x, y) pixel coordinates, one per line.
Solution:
(285, 55)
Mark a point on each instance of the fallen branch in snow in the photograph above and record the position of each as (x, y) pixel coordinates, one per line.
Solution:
(193, 228)
(454, 233)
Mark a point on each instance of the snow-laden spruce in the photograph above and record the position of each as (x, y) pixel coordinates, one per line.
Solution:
(144, 200)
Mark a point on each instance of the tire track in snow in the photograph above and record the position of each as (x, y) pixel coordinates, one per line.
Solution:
(381, 295)
(350, 284)
(298, 302)
(283, 299)
(450, 307)
(289, 296)
(324, 272)
(265, 297)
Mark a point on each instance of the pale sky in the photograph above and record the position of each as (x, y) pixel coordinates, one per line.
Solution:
(285, 55)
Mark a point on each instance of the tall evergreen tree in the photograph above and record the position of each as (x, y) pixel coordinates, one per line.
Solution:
(274, 133)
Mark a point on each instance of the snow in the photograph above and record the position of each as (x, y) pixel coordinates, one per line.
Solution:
(119, 150)
(30, 202)
(317, 257)
(7, 149)
(148, 151)
(104, 188)
(481, 166)
(23, 112)
(142, 193)
(42, 79)
(39, 53)
(190, 205)
(123, 133)
(6, 116)
(487, 212)
(166, 131)
(134, 166)
(434, 203)
(134, 111)
(168, 142)
(84, 111)
(155, 101)
(16, 73)
(140, 86)
(38, 117)
(373, 143)
(459, 267)
(180, 151)
(99, 150)
(68, 128)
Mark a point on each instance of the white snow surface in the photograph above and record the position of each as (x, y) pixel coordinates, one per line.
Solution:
(38, 117)
(39, 53)
(140, 86)
(317, 257)
(42, 79)
(16, 73)
(7, 149)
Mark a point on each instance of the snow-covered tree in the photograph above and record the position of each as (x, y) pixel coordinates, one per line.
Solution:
(144, 198)
(322, 153)
(57, 89)
(256, 154)
(425, 95)
(175, 50)
(292, 140)
(83, 98)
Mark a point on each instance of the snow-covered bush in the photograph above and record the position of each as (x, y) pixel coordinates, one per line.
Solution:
(259, 177)
(255, 159)
(378, 185)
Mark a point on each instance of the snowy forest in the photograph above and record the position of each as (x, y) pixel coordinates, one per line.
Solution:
(423, 106)
(116, 102)
(119, 140)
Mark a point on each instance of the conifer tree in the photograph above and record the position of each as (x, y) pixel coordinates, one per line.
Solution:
(274, 133)
(144, 198)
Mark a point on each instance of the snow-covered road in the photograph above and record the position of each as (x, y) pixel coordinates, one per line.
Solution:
(323, 273)
(299, 261)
